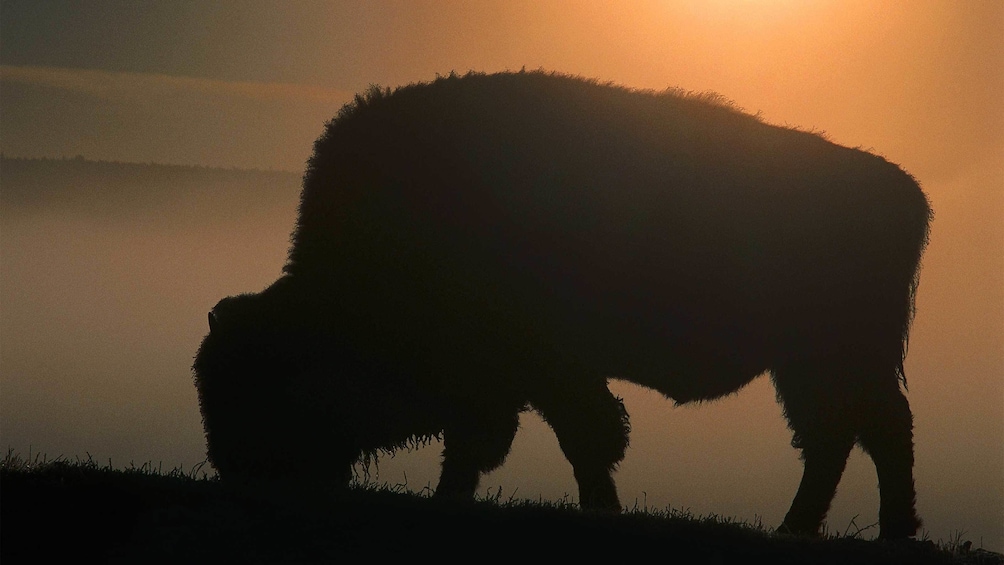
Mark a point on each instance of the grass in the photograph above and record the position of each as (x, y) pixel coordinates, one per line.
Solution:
(77, 509)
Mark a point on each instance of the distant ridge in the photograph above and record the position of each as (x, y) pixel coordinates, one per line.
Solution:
(7, 159)
(80, 183)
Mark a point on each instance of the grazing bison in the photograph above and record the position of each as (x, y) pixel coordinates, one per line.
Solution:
(480, 244)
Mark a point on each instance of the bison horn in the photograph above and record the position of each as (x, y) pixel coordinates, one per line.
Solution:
(213, 322)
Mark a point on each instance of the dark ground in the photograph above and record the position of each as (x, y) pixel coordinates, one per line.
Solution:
(80, 511)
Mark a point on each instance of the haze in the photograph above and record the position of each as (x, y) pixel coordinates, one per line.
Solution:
(103, 295)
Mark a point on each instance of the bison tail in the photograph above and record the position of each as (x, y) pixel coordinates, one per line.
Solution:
(916, 233)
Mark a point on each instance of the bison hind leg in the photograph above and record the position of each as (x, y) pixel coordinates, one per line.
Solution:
(830, 406)
(475, 442)
(814, 400)
(886, 434)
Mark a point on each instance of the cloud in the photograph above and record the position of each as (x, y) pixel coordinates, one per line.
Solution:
(143, 117)
(122, 86)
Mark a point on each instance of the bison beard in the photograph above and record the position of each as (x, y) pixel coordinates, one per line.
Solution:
(479, 245)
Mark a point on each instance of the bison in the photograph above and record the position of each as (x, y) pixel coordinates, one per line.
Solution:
(483, 244)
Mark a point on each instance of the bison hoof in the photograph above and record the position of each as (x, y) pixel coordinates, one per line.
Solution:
(899, 530)
(597, 502)
(789, 529)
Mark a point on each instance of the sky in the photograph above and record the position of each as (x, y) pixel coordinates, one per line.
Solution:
(249, 84)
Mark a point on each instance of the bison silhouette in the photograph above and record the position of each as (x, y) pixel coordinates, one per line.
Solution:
(483, 244)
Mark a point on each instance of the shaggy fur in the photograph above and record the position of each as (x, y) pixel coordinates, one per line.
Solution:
(480, 244)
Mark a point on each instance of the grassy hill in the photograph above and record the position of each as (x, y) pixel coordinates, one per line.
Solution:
(78, 510)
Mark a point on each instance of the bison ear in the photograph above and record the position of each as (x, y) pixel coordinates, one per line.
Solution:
(213, 322)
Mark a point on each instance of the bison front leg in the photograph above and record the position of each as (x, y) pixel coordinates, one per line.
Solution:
(592, 429)
(475, 443)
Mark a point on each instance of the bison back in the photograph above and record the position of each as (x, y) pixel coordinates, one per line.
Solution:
(630, 231)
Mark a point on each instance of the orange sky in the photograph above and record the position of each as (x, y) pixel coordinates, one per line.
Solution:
(249, 84)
